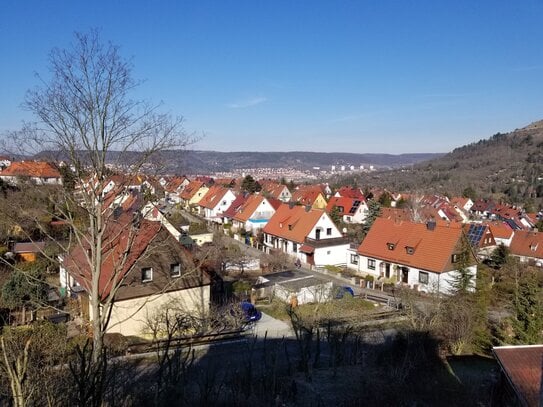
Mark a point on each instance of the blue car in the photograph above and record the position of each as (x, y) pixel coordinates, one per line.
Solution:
(250, 312)
(344, 291)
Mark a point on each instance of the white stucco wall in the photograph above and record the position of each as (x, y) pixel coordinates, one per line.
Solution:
(129, 317)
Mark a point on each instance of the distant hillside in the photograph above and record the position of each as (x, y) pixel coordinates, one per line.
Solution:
(210, 161)
(506, 166)
(204, 162)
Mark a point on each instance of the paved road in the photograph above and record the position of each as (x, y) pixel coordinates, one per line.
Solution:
(272, 328)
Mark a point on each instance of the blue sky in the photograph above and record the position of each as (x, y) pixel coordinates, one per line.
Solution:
(348, 76)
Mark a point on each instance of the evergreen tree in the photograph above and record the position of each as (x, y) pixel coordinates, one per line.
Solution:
(499, 256)
(250, 185)
(335, 216)
(374, 209)
(527, 322)
(463, 280)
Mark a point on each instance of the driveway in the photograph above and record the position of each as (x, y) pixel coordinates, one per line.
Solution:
(275, 328)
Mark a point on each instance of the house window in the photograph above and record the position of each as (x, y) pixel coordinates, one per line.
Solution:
(146, 274)
(354, 258)
(371, 264)
(423, 277)
(454, 258)
(329, 232)
(409, 250)
(175, 270)
(295, 247)
(391, 246)
(328, 252)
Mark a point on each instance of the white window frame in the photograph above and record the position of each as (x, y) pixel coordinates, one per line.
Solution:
(173, 271)
(143, 272)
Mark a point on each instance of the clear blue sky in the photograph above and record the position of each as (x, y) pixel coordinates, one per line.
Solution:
(354, 76)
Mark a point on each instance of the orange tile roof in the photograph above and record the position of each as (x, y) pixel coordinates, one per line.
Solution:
(293, 222)
(350, 192)
(248, 208)
(39, 169)
(527, 243)
(501, 230)
(433, 248)
(306, 196)
(191, 189)
(343, 203)
(213, 196)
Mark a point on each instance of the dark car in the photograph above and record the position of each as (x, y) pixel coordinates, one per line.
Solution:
(250, 312)
(344, 291)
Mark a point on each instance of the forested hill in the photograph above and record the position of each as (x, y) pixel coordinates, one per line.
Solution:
(506, 166)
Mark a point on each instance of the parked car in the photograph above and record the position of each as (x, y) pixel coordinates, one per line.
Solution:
(250, 312)
(344, 291)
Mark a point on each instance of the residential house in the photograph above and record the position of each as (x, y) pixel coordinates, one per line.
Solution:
(174, 186)
(4, 162)
(150, 267)
(480, 238)
(350, 192)
(38, 172)
(502, 232)
(275, 190)
(351, 210)
(310, 196)
(425, 257)
(462, 203)
(307, 234)
(192, 194)
(235, 206)
(254, 213)
(528, 247)
(521, 379)
(217, 200)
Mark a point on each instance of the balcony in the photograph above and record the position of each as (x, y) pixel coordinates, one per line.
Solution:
(334, 241)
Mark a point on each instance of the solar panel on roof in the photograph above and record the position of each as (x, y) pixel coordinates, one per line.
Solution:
(355, 206)
(475, 233)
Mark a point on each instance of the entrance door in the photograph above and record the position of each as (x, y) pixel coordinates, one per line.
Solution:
(405, 274)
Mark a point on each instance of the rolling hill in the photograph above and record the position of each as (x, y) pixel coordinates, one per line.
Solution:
(505, 166)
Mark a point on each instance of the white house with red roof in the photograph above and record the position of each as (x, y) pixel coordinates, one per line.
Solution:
(307, 234)
(351, 210)
(216, 201)
(528, 246)
(425, 257)
(254, 213)
(38, 172)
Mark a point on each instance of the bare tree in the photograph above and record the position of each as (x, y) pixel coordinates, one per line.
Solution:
(86, 116)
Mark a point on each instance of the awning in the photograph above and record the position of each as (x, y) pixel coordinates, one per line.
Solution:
(307, 249)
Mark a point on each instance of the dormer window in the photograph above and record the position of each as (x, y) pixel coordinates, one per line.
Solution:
(391, 246)
(454, 258)
(175, 270)
(289, 227)
(409, 250)
(533, 247)
(146, 274)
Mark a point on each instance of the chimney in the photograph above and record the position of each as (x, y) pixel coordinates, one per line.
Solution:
(431, 224)
(291, 204)
(307, 208)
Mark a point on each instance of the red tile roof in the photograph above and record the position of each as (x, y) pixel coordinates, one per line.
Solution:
(248, 208)
(433, 249)
(293, 222)
(350, 192)
(212, 198)
(522, 365)
(307, 196)
(235, 206)
(118, 237)
(38, 169)
(191, 189)
(527, 243)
